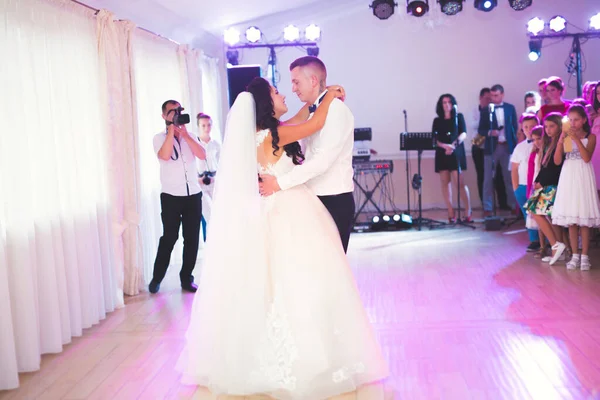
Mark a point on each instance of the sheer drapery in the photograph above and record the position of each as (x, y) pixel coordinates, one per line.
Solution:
(79, 180)
(57, 272)
(115, 51)
(212, 93)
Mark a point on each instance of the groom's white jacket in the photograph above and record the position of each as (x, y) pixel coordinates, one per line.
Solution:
(327, 169)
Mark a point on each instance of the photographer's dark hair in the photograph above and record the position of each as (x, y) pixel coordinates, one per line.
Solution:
(439, 108)
(484, 91)
(166, 103)
(265, 118)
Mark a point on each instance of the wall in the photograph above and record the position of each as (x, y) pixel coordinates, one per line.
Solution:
(407, 62)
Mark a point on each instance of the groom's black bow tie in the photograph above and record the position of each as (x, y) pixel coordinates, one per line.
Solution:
(312, 108)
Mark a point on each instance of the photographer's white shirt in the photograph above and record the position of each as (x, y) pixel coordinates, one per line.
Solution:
(178, 175)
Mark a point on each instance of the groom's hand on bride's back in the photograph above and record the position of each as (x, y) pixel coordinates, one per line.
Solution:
(267, 185)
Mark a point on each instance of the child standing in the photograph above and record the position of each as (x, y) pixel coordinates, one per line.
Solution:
(577, 205)
(519, 172)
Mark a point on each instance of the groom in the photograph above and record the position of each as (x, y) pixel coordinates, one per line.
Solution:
(327, 170)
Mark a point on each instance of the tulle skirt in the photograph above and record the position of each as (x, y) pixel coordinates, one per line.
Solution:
(293, 327)
(576, 200)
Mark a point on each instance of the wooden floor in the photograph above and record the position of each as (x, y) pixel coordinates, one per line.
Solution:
(460, 314)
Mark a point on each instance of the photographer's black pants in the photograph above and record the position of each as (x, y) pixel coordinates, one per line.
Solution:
(176, 210)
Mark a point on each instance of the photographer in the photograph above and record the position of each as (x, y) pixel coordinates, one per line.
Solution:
(181, 195)
(207, 167)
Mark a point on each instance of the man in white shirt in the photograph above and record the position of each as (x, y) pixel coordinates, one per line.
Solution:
(207, 167)
(327, 169)
(180, 198)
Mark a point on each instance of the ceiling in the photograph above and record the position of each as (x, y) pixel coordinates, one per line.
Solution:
(191, 21)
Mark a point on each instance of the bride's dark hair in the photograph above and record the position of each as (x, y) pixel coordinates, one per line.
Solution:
(265, 118)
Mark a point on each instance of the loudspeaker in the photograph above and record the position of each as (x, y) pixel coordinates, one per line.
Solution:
(238, 78)
(493, 223)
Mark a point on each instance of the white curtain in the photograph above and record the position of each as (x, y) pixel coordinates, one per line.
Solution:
(115, 51)
(159, 76)
(212, 93)
(57, 273)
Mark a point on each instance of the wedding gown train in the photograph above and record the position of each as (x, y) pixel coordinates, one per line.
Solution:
(293, 327)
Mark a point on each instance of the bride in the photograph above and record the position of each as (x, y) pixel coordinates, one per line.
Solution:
(277, 312)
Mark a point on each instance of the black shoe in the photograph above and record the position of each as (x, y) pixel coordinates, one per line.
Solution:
(533, 247)
(154, 286)
(189, 287)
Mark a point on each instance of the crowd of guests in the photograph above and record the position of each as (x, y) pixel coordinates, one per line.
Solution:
(546, 156)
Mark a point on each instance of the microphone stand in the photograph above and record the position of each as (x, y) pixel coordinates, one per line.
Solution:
(493, 223)
(407, 166)
(459, 220)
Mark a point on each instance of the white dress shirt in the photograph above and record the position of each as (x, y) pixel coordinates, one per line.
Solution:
(178, 175)
(213, 152)
(327, 169)
(500, 118)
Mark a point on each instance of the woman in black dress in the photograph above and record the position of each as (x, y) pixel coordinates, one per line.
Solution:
(450, 153)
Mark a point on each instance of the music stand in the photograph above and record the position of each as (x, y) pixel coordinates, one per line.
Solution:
(419, 141)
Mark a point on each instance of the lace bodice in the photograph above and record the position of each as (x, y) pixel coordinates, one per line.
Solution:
(281, 167)
(575, 154)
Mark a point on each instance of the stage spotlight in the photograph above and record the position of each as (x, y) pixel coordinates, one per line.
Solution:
(376, 219)
(312, 33)
(485, 5)
(231, 36)
(291, 33)
(383, 9)
(535, 49)
(312, 51)
(253, 34)
(417, 8)
(232, 57)
(519, 5)
(397, 218)
(451, 7)
(535, 26)
(558, 24)
(386, 218)
(595, 22)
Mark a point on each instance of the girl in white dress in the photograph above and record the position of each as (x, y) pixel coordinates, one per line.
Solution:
(577, 205)
(277, 312)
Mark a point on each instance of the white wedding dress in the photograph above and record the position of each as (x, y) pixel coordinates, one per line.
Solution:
(292, 326)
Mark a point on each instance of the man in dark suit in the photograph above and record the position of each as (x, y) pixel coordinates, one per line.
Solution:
(499, 123)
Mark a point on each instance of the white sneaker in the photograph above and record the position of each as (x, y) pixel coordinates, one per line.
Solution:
(574, 263)
(558, 248)
(547, 259)
(585, 263)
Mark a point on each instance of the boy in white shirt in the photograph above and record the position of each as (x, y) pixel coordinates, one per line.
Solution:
(519, 168)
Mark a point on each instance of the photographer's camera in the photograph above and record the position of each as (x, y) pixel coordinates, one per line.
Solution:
(207, 177)
(179, 118)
